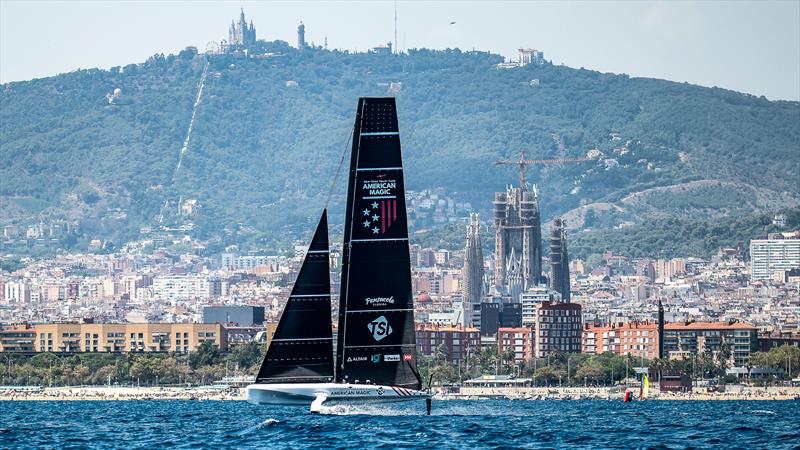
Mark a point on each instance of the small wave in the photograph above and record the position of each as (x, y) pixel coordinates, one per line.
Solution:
(258, 426)
(763, 412)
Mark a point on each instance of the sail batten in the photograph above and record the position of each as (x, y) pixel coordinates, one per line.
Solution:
(302, 347)
(376, 341)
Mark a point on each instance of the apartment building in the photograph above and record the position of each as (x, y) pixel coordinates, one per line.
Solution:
(146, 337)
(458, 342)
(558, 327)
(520, 340)
(779, 252)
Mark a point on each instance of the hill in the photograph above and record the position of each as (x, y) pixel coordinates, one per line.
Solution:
(269, 131)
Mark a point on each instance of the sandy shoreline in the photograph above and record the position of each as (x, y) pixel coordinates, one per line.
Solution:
(212, 393)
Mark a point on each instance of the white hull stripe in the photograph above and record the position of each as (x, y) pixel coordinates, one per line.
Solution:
(310, 295)
(317, 251)
(381, 133)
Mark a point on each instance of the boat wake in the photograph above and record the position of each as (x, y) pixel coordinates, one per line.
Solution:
(369, 410)
(258, 426)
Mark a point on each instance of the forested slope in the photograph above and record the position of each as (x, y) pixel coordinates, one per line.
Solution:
(269, 134)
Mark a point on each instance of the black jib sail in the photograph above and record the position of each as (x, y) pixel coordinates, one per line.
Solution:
(376, 340)
(302, 349)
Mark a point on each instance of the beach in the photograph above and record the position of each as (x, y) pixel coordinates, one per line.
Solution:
(122, 393)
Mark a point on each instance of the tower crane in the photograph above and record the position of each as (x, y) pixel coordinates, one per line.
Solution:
(522, 162)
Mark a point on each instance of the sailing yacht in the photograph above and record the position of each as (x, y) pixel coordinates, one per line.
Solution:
(376, 343)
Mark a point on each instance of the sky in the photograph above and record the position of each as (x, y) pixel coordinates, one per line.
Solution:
(747, 46)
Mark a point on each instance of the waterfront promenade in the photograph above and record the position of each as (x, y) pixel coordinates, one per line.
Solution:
(104, 393)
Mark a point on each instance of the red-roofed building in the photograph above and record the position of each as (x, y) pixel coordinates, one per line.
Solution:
(681, 340)
(520, 339)
(457, 341)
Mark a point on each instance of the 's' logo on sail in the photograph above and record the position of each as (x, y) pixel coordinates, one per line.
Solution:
(379, 328)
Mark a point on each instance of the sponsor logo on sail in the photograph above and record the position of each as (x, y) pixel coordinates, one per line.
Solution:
(356, 358)
(379, 187)
(376, 358)
(379, 328)
(408, 357)
(380, 390)
(391, 358)
(379, 205)
(379, 301)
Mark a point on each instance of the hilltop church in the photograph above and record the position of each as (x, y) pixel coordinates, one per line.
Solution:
(241, 34)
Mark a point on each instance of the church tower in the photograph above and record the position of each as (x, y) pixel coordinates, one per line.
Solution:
(472, 274)
(301, 36)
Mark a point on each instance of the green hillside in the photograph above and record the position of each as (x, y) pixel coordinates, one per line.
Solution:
(269, 133)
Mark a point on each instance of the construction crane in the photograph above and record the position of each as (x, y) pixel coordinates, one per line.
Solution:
(522, 162)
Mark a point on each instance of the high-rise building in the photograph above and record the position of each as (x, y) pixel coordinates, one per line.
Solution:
(241, 34)
(559, 260)
(301, 36)
(472, 273)
(559, 326)
(518, 247)
(779, 252)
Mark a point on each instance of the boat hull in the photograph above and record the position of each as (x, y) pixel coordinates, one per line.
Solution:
(333, 393)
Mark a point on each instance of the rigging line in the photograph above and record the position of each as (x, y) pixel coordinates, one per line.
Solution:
(338, 169)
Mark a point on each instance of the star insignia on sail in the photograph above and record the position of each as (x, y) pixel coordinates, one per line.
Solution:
(366, 224)
(375, 230)
(374, 205)
(366, 212)
(375, 217)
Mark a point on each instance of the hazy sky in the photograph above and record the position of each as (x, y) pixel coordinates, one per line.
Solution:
(747, 46)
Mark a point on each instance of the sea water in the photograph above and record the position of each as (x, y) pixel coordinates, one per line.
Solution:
(453, 424)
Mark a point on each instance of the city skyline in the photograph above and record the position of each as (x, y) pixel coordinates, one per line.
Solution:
(755, 47)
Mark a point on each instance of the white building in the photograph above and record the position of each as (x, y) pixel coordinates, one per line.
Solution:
(779, 252)
(529, 300)
(17, 292)
(181, 287)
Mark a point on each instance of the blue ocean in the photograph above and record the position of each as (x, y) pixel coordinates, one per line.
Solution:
(453, 424)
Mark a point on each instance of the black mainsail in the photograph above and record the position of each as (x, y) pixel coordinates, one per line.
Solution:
(376, 338)
(302, 349)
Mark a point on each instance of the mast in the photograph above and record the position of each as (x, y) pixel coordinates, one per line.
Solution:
(302, 349)
(376, 341)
